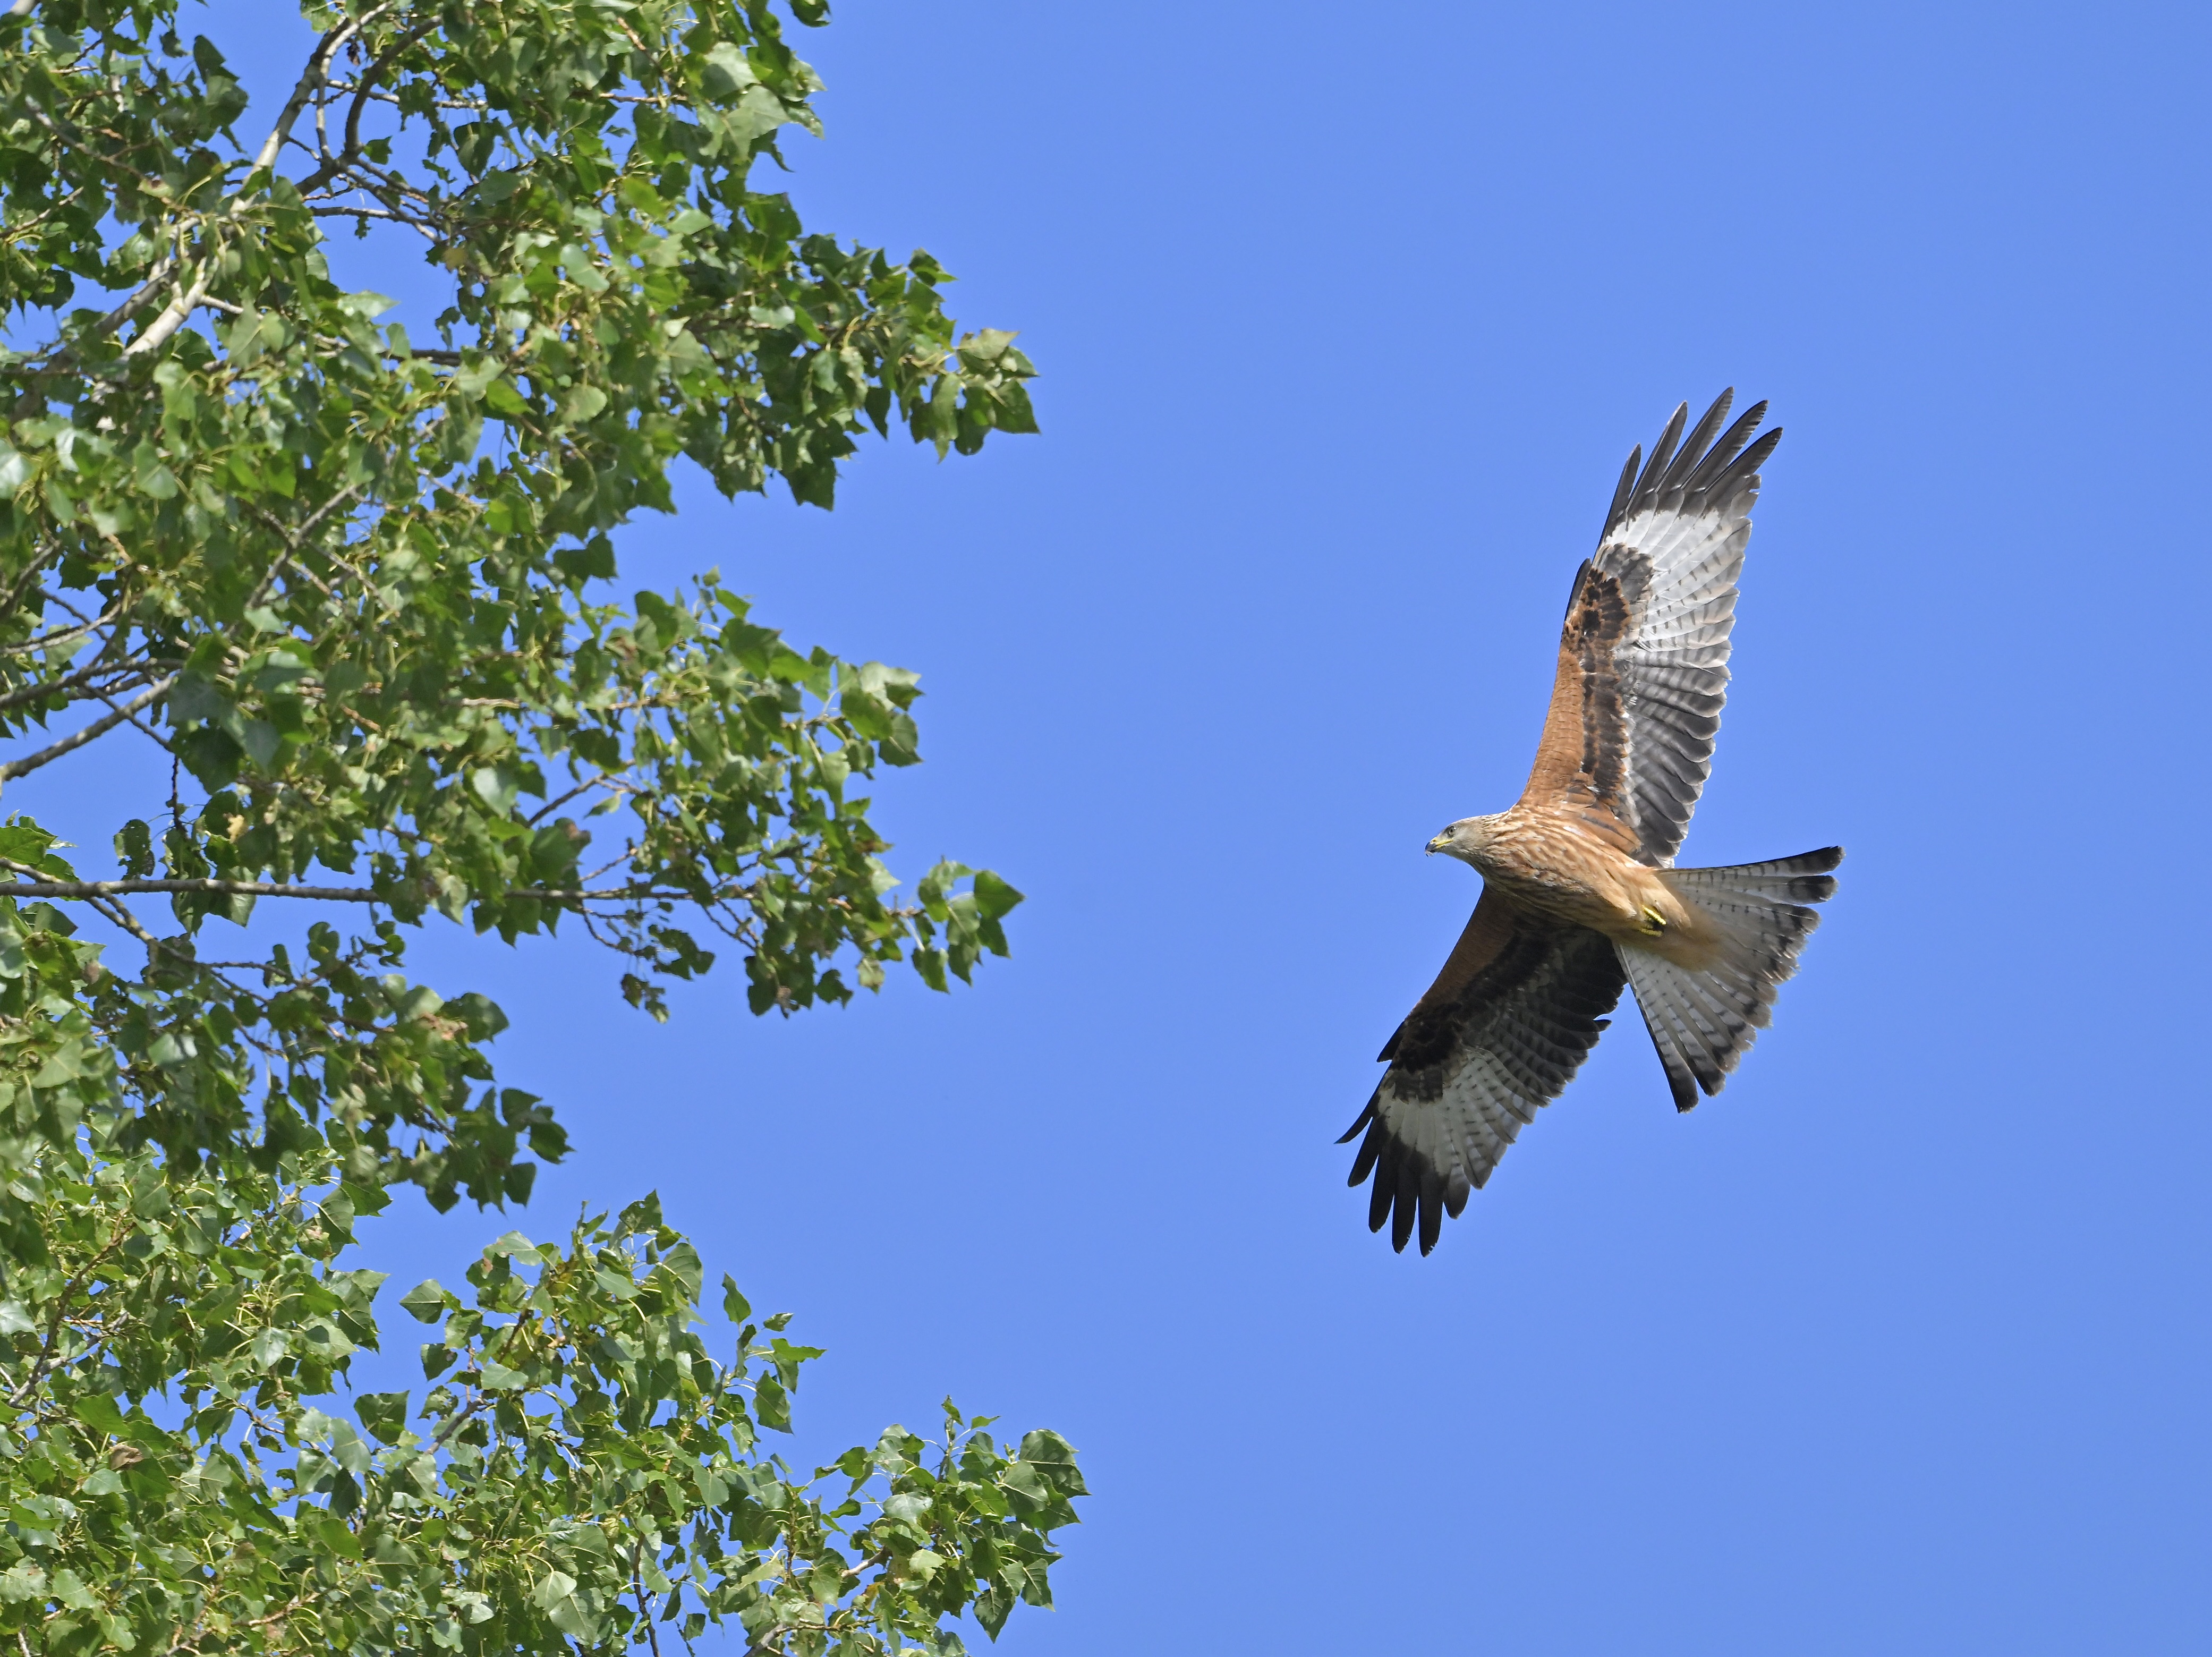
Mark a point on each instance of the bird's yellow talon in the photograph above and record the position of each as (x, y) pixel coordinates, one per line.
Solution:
(1654, 922)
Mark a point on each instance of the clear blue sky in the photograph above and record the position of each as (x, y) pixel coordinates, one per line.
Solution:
(1346, 317)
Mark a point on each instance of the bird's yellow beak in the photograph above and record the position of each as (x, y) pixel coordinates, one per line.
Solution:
(1437, 842)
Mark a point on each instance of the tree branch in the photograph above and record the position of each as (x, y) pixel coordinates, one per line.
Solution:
(99, 727)
(644, 1601)
(336, 164)
(155, 278)
(150, 885)
(317, 71)
(21, 584)
(173, 317)
(62, 634)
(32, 693)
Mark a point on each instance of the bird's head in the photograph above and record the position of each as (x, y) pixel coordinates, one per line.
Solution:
(1463, 840)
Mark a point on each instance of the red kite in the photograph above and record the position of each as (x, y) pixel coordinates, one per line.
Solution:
(1580, 895)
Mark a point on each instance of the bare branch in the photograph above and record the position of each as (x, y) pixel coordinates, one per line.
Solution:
(122, 313)
(411, 222)
(99, 727)
(105, 694)
(317, 71)
(173, 317)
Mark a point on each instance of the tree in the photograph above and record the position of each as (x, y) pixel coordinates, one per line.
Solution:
(355, 586)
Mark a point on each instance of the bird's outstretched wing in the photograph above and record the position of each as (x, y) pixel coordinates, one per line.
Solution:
(1508, 1022)
(1644, 653)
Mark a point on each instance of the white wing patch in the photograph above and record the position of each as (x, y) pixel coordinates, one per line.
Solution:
(1677, 531)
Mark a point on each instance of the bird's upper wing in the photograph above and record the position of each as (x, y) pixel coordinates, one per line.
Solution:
(1644, 653)
(1519, 1003)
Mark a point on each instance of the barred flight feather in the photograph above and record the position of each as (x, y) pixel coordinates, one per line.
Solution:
(1638, 694)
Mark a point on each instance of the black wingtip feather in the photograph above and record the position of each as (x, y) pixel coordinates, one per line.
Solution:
(1755, 455)
(1662, 454)
(1621, 493)
(1692, 452)
(1407, 1194)
(1363, 1119)
(1717, 460)
(1369, 1148)
(1378, 1200)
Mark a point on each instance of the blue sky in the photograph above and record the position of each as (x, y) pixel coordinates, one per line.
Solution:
(1346, 319)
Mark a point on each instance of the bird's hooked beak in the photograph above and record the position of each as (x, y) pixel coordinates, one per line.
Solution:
(1438, 843)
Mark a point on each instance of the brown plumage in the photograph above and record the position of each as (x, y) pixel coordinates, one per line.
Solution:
(1580, 897)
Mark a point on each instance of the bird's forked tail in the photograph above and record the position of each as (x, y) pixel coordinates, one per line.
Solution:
(1704, 1019)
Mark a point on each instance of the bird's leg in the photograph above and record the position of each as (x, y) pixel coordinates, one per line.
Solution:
(1653, 923)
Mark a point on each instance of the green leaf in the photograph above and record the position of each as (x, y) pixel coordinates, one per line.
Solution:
(385, 1415)
(496, 787)
(194, 697)
(994, 897)
(427, 1301)
(724, 73)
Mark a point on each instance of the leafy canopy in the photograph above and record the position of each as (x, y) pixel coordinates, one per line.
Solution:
(353, 582)
(351, 590)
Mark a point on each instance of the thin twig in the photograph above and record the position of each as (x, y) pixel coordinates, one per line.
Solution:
(99, 727)
(46, 1362)
(62, 634)
(294, 538)
(136, 723)
(411, 222)
(332, 166)
(22, 582)
(644, 1604)
(32, 693)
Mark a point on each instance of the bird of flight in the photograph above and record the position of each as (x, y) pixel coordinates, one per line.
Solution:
(1580, 895)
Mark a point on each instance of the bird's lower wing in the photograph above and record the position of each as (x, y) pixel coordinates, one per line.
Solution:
(1503, 1028)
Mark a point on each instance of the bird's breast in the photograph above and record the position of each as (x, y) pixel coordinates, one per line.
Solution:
(1554, 866)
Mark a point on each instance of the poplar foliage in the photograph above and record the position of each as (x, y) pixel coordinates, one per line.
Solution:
(351, 590)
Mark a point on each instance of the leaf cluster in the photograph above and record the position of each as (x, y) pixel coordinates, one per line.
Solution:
(581, 1473)
(355, 587)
